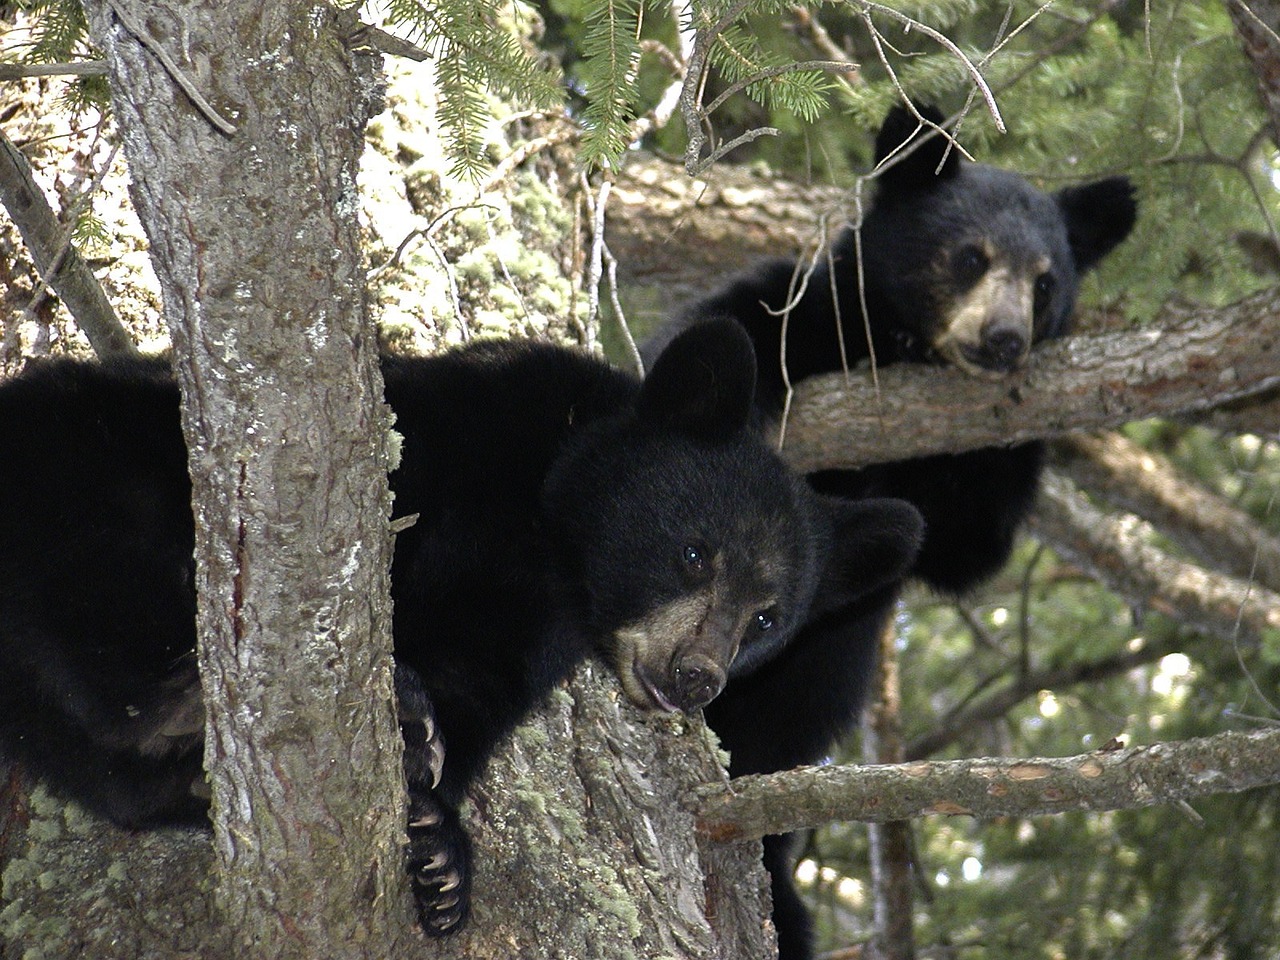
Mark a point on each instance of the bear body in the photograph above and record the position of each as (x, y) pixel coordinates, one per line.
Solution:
(565, 510)
(962, 264)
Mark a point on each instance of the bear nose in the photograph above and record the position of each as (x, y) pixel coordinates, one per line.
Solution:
(696, 681)
(1002, 348)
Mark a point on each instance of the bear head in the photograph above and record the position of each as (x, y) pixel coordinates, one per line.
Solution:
(697, 551)
(969, 264)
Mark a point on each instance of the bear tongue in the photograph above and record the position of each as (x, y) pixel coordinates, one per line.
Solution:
(652, 690)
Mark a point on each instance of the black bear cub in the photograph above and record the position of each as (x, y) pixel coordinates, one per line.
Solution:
(565, 509)
(963, 264)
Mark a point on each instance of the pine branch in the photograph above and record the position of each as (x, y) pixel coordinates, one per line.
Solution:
(1207, 526)
(1162, 773)
(1187, 361)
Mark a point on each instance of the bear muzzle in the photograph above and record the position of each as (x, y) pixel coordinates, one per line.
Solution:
(1000, 349)
(677, 658)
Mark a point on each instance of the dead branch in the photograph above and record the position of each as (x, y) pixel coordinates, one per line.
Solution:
(1116, 550)
(58, 262)
(1144, 776)
(960, 722)
(1210, 528)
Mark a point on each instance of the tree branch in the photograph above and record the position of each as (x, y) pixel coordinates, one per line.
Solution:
(1145, 776)
(1207, 526)
(1186, 362)
(1115, 551)
(1257, 414)
(58, 262)
(1257, 23)
(81, 68)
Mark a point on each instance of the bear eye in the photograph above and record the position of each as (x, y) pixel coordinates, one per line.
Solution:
(693, 559)
(763, 620)
(1044, 290)
(970, 263)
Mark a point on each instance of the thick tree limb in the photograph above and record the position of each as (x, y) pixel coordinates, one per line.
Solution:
(1207, 526)
(59, 263)
(1117, 780)
(1115, 550)
(264, 287)
(1186, 362)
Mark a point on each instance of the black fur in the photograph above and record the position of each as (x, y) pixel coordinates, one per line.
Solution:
(940, 230)
(564, 508)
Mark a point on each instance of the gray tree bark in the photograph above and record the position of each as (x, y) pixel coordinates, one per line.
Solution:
(243, 127)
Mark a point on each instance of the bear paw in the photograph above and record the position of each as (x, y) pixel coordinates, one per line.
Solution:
(423, 743)
(439, 862)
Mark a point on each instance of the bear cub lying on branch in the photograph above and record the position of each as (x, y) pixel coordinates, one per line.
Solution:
(565, 509)
(961, 264)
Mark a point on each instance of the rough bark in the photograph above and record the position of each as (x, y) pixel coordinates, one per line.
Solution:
(1207, 526)
(1117, 551)
(984, 788)
(77, 887)
(626, 874)
(584, 849)
(243, 127)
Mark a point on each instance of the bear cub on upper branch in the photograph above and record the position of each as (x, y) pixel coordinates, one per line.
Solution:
(564, 507)
(963, 264)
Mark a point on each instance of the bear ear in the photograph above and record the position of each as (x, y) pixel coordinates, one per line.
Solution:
(1098, 215)
(932, 161)
(703, 383)
(875, 542)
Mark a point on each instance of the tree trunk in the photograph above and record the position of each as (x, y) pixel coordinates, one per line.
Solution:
(584, 849)
(243, 125)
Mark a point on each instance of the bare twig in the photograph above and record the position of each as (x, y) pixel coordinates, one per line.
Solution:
(171, 67)
(947, 44)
